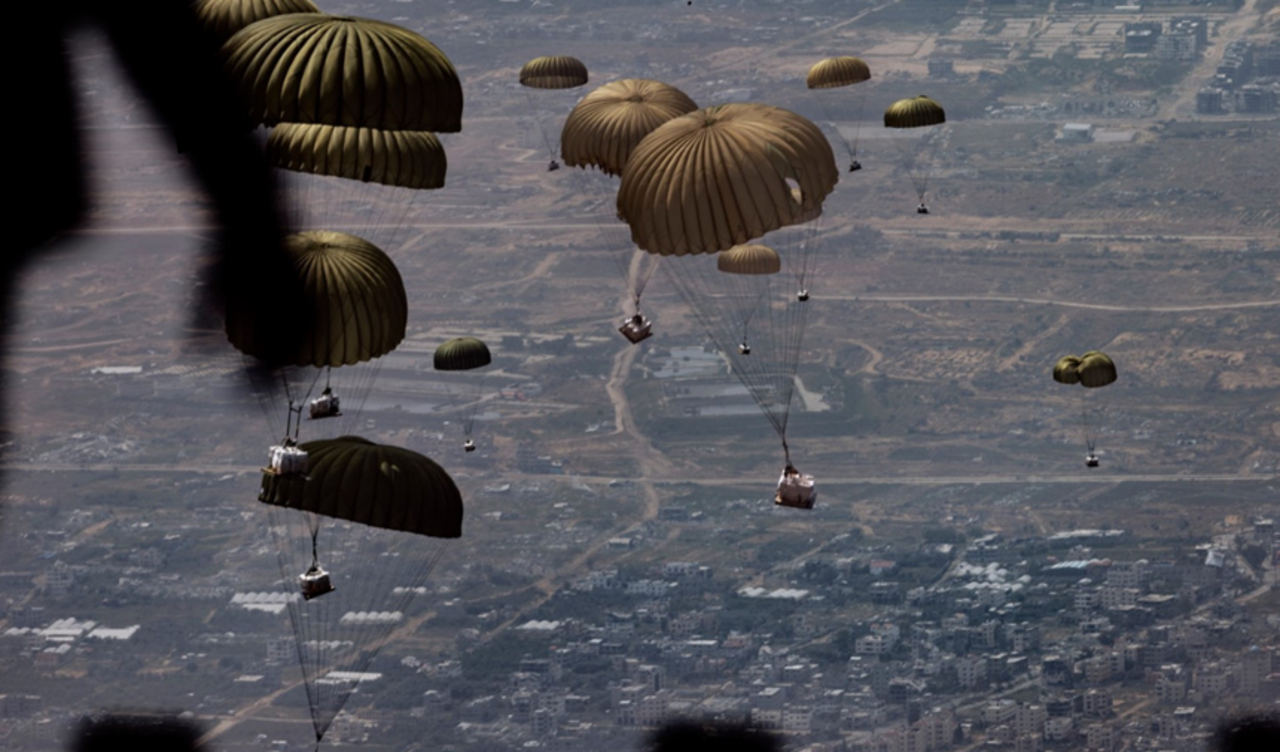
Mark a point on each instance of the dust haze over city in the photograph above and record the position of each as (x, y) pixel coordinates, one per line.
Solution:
(1105, 180)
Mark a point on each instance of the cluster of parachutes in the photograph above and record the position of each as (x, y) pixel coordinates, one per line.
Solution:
(356, 101)
(920, 114)
(693, 187)
(359, 102)
(1092, 370)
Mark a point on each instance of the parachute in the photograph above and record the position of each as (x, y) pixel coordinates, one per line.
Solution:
(404, 159)
(720, 176)
(465, 354)
(341, 70)
(223, 18)
(1092, 370)
(838, 73)
(922, 114)
(353, 99)
(551, 72)
(357, 313)
(601, 132)
(380, 517)
(607, 123)
(367, 177)
(711, 181)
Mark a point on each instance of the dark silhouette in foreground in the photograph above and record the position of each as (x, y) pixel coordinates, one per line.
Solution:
(1254, 733)
(135, 733)
(174, 64)
(688, 736)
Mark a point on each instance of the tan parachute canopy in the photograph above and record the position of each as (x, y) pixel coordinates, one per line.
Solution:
(553, 72)
(339, 70)
(837, 71)
(722, 176)
(607, 124)
(1096, 369)
(353, 479)
(1065, 370)
(358, 304)
(406, 159)
(749, 259)
(1092, 370)
(914, 112)
(222, 18)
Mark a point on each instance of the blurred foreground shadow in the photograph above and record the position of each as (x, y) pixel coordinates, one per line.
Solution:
(136, 733)
(174, 64)
(687, 736)
(1250, 733)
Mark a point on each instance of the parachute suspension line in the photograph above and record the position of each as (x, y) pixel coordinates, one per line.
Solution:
(469, 414)
(1091, 425)
(859, 99)
(614, 233)
(359, 386)
(648, 264)
(539, 120)
(376, 572)
(849, 147)
(313, 521)
(918, 156)
(768, 372)
(800, 254)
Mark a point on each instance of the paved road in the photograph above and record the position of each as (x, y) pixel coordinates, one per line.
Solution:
(1049, 302)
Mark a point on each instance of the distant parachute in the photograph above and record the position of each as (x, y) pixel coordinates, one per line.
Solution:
(921, 114)
(465, 354)
(379, 516)
(835, 72)
(601, 132)
(1092, 370)
(914, 112)
(838, 73)
(340, 70)
(223, 18)
(552, 72)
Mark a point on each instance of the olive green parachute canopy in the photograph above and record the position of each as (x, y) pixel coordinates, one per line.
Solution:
(1096, 369)
(358, 304)
(407, 159)
(1092, 370)
(339, 70)
(835, 72)
(603, 129)
(350, 478)
(222, 18)
(721, 176)
(553, 72)
(914, 112)
(1065, 370)
(462, 354)
(749, 259)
